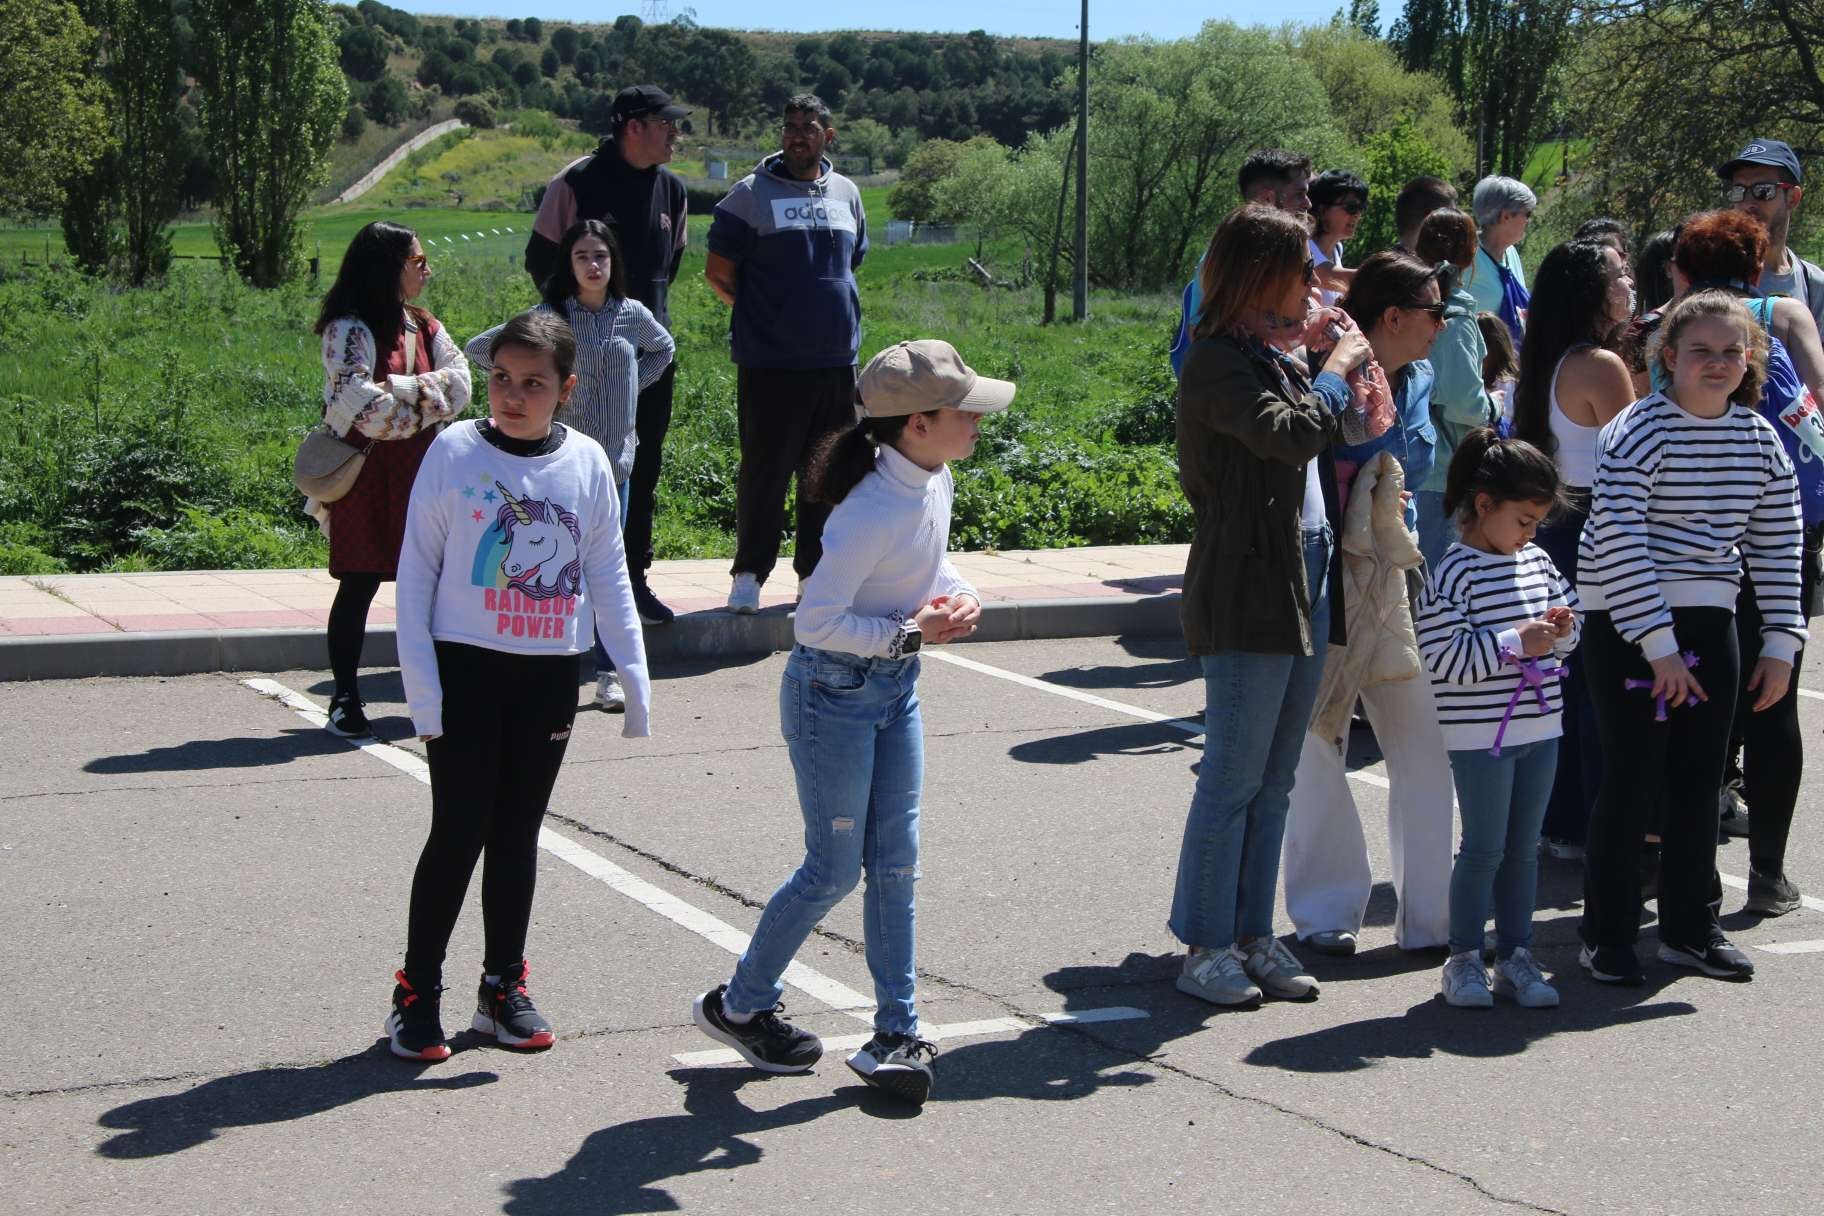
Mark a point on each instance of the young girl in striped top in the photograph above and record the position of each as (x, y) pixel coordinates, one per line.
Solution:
(1692, 485)
(621, 349)
(1493, 626)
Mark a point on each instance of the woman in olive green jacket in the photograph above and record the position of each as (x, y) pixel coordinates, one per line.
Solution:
(1252, 434)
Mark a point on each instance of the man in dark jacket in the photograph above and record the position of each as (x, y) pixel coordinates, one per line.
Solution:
(625, 183)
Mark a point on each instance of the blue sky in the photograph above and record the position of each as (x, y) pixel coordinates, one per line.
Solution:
(1044, 18)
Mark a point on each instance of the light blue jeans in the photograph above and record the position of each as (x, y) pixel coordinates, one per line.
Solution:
(858, 752)
(1502, 800)
(1257, 708)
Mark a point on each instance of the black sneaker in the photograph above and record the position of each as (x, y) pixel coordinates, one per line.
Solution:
(1716, 957)
(652, 609)
(506, 1012)
(897, 1063)
(413, 1028)
(1771, 894)
(1732, 816)
(768, 1042)
(1612, 965)
(347, 719)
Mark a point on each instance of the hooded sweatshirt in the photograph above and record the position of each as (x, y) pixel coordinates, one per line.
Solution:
(797, 244)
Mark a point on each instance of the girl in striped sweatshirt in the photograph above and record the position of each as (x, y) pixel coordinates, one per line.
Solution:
(1692, 489)
(1493, 627)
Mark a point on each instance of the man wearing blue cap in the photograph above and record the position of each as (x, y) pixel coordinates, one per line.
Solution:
(1763, 181)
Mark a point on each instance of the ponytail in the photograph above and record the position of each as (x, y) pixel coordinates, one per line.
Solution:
(841, 459)
(1507, 470)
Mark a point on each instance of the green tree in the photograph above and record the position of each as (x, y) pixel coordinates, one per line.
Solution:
(718, 70)
(363, 52)
(534, 28)
(1392, 158)
(387, 102)
(53, 126)
(566, 42)
(914, 195)
(273, 98)
(1370, 89)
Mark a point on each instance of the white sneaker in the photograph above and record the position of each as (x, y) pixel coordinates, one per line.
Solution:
(609, 696)
(1518, 976)
(1465, 983)
(744, 595)
(1217, 976)
(1277, 970)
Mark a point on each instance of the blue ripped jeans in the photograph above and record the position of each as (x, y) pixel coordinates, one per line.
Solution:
(858, 753)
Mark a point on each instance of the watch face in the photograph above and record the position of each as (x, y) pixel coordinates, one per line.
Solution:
(915, 638)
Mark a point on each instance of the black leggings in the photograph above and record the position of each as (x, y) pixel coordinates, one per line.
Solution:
(348, 627)
(1676, 764)
(1773, 749)
(506, 723)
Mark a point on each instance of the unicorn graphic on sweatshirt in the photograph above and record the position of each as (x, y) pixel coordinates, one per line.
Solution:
(542, 560)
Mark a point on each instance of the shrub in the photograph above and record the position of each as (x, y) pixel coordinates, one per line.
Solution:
(23, 550)
(234, 540)
(476, 112)
(702, 200)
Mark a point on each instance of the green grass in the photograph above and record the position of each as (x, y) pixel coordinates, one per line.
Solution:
(1545, 167)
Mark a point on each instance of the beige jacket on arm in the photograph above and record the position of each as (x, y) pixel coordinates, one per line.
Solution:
(1378, 554)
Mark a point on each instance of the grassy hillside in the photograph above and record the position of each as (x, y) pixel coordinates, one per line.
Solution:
(479, 170)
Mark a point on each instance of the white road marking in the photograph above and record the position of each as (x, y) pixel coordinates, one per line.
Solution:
(814, 984)
(1193, 726)
(1812, 947)
(955, 1030)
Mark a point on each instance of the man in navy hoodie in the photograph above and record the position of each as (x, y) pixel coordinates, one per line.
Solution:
(783, 248)
(625, 183)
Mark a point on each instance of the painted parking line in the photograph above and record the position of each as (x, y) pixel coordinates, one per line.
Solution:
(1194, 726)
(812, 983)
(955, 1030)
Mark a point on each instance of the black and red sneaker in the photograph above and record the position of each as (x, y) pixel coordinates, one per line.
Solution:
(506, 1012)
(414, 1029)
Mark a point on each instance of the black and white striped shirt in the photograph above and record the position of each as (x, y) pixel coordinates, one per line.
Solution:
(1468, 622)
(1680, 504)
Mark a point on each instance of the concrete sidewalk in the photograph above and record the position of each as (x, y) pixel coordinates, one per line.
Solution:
(78, 625)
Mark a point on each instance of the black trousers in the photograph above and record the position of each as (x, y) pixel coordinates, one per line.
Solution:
(784, 412)
(1567, 815)
(506, 723)
(1676, 764)
(1773, 748)
(652, 421)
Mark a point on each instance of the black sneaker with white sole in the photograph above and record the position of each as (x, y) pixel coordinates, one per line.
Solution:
(767, 1041)
(1771, 894)
(1612, 965)
(414, 1030)
(900, 1064)
(347, 719)
(1717, 957)
(651, 608)
(504, 1010)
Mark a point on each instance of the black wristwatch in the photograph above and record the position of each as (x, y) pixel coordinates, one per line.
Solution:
(915, 638)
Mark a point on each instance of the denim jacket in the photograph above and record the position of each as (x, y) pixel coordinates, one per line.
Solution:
(1413, 440)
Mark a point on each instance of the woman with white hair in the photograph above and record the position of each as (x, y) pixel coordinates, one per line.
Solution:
(1503, 207)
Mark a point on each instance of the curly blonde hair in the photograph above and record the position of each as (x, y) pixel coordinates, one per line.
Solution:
(1723, 306)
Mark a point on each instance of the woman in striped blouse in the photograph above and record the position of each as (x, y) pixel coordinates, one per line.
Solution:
(1493, 627)
(620, 349)
(1692, 488)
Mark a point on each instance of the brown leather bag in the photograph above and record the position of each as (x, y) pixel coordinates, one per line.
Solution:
(327, 465)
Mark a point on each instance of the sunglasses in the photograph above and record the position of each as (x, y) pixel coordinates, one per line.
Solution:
(1310, 271)
(1352, 207)
(418, 260)
(1435, 310)
(1760, 192)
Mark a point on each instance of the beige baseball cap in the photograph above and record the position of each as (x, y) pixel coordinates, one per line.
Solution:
(927, 374)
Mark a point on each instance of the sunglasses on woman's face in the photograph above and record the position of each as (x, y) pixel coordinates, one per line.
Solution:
(1435, 311)
(1352, 207)
(419, 261)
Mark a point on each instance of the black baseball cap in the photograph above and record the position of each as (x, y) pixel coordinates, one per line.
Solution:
(646, 101)
(1763, 152)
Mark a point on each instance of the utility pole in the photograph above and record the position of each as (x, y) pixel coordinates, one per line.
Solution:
(1079, 293)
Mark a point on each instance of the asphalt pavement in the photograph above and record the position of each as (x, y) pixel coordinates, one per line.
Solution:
(207, 898)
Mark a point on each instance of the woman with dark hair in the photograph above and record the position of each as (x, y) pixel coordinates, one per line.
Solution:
(1571, 384)
(1604, 231)
(621, 349)
(1338, 198)
(1653, 290)
(1396, 301)
(1253, 436)
(391, 378)
(1460, 402)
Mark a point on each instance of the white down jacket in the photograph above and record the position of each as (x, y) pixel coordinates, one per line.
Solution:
(1378, 554)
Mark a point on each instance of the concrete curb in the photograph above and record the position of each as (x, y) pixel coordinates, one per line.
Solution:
(696, 635)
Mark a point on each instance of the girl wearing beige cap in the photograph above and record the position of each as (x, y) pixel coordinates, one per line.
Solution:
(848, 706)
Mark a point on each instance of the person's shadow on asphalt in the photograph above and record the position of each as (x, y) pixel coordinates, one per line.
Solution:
(172, 1123)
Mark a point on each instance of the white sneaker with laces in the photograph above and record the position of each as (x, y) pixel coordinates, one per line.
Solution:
(1518, 976)
(1277, 970)
(1465, 983)
(609, 696)
(1218, 976)
(744, 595)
